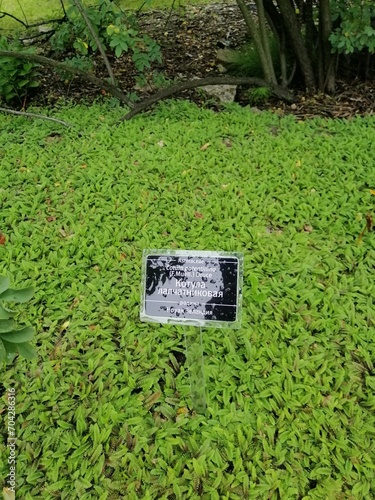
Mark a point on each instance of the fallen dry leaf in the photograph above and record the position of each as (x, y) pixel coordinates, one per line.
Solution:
(2, 239)
(372, 191)
(205, 146)
(198, 215)
(183, 410)
(369, 222)
(122, 256)
(8, 494)
(151, 400)
(307, 228)
(65, 325)
(51, 218)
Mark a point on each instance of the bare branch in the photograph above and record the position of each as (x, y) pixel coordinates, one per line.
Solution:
(102, 84)
(34, 115)
(202, 82)
(4, 14)
(63, 8)
(83, 13)
(34, 25)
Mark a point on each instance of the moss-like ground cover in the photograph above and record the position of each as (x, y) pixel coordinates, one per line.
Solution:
(104, 412)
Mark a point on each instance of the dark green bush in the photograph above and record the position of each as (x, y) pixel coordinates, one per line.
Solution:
(17, 76)
(354, 26)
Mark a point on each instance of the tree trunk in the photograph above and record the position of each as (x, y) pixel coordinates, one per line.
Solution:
(268, 71)
(311, 31)
(327, 72)
(292, 25)
(264, 36)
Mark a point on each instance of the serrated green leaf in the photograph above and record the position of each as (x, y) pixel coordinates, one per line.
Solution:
(19, 296)
(19, 336)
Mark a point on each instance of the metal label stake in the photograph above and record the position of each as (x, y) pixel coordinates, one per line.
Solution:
(194, 289)
(194, 357)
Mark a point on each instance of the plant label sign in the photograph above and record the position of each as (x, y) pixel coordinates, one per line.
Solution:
(192, 287)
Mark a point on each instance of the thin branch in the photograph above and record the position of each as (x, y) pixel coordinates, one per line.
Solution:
(102, 84)
(34, 115)
(23, 12)
(63, 8)
(169, 14)
(202, 82)
(31, 40)
(138, 11)
(34, 25)
(3, 14)
(83, 13)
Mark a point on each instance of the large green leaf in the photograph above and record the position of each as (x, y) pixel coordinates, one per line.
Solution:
(18, 336)
(4, 284)
(26, 351)
(3, 353)
(23, 295)
(9, 347)
(7, 325)
(5, 313)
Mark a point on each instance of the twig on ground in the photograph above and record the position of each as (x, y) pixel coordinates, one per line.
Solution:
(35, 115)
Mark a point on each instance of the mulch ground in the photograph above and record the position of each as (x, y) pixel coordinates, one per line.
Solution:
(190, 38)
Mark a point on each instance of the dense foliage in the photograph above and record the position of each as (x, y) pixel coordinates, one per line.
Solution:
(17, 76)
(354, 26)
(310, 41)
(312, 34)
(116, 29)
(104, 412)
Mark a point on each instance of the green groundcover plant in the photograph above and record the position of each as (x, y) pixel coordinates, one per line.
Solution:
(104, 411)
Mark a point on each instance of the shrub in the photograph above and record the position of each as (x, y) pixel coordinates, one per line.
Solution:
(116, 30)
(355, 23)
(17, 76)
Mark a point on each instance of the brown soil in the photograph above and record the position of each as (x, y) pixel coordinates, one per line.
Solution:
(189, 38)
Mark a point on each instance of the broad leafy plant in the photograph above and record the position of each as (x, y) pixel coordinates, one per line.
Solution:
(355, 26)
(13, 338)
(116, 30)
(17, 76)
